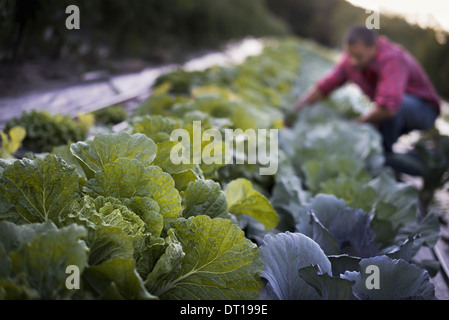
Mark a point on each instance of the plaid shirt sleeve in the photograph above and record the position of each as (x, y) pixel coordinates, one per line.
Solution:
(334, 79)
(393, 75)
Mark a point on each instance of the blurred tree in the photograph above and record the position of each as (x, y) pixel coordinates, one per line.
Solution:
(117, 28)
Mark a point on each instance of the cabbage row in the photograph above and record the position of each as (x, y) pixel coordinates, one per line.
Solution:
(137, 226)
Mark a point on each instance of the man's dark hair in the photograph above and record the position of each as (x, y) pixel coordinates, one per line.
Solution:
(360, 33)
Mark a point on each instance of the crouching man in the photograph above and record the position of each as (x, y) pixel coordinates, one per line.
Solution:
(403, 97)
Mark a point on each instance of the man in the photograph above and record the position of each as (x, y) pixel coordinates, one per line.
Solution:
(403, 97)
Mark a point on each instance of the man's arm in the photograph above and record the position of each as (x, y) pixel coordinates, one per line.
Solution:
(334, 79)
(312, 96)
(390, 91)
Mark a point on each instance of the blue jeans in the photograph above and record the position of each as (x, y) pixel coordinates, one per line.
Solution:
(414, 114)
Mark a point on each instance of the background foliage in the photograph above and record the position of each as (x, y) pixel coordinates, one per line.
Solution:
(160, 30)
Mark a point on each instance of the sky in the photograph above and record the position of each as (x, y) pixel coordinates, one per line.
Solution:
(426, 13)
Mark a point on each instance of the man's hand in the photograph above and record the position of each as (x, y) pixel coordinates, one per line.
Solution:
(311, 96)
(377, 115)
